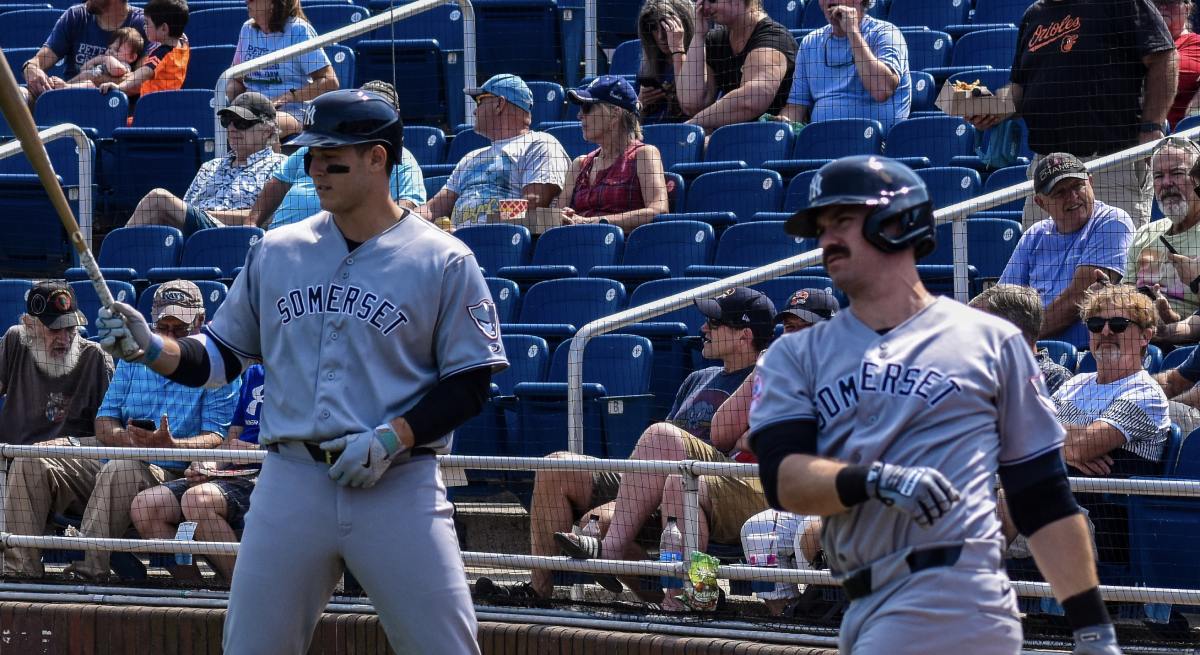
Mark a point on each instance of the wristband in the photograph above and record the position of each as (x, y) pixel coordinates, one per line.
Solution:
(851, 484)
(387, 436)
(1086, 609)
(678, 52)
(1194, 285)
(153, 349)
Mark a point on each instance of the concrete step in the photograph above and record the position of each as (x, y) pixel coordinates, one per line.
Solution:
(493, 527)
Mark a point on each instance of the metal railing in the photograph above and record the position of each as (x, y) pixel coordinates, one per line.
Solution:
(342, 33)
(83, 148)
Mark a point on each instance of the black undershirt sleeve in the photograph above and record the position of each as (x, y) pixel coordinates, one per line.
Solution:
(1038, 492)
(449, 404)
(773, 444)
(194, 370)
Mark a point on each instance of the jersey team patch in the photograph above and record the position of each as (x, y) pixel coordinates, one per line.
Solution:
(484, 315)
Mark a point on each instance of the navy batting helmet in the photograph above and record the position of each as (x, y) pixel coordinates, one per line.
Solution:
(351, 117)
(890, 189)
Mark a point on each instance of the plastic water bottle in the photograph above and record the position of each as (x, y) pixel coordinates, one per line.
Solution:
(762, 552)
(670, 549)
(186, 532)
(592, 529)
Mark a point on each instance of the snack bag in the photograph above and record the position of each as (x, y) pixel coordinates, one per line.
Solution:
(704, 592)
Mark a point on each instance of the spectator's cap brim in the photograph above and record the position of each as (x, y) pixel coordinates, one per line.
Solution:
(251, 106)
(510, 87)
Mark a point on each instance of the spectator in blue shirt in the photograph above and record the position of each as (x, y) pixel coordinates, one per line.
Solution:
(186, 417)
(855, 67)
(214, 495)
(1084, 240)
(82, 32)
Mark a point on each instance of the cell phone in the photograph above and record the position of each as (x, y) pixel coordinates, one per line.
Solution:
(1147, 291)
(143, 423)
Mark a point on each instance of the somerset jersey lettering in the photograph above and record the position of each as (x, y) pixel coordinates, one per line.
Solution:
(890, 378)
(354, 301)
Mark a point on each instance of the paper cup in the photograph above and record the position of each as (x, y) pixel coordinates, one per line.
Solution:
(510, 209)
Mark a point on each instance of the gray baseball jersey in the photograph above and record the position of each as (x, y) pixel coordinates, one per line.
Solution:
(357, 338)
(949, 388)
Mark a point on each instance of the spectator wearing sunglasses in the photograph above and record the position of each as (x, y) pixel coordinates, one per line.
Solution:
(854, 67)
(1061, 256)
(224, 189)
(1116, 418)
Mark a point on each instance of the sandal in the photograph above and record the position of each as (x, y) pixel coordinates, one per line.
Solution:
(582, 547)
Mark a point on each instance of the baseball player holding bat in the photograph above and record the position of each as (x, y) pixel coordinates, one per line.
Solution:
(892, 419)
(381, 336)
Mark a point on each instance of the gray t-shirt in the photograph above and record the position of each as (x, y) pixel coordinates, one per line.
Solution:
(358, 337)
(951, 388)
(38, 407)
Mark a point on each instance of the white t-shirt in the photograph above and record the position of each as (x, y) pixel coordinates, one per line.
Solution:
(1135, 405)
(277, 79)
(501, 170)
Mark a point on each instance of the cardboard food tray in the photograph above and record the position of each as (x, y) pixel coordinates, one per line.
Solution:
(962, 103)
(538, 220)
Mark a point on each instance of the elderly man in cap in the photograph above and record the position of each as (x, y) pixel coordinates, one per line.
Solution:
(224, 189)
(142, 409)
(1084, 240)
(806, 308)
(519, 164)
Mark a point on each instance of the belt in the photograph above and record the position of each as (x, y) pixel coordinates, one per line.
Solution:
(859, 584)
(328, 457)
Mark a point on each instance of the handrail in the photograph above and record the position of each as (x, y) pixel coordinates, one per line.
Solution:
(83, 147)
(591, 38)
(341, 34)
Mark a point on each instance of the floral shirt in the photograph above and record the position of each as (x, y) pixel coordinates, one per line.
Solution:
(220, 185)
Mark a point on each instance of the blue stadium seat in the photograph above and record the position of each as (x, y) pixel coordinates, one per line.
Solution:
(328, 17)
(487, 434)
(206, 64)
(568, 251)
(542, 52)
(1171, 450)
(992, 13)
(1003, 178)
(626, 58)
(549, 102)
(726, 197)
(676, 191)
(784, 12)
(939, 279)
(1162, 541)
(460, 146)
(28, 28)
(64, 157)
(571, 138)
(924, 92)
(217, 26)
(556, 309)
(1187, 122)
(950, 184)
(173, 153)
(442, 24)
(617, 400)
(937, 139)
(676, 142)
(434, 184)
(17, 57)
(128, 253)
(1152, 361)
(42, 248)
(932, 14)
(181, 108)
(417, 67)
(991, 48)
(89, 301)
(83, 107)
(990, 243)
(1187, 464)
(210, 254)
(427, 144)
(1063, 353)
(12, 301)
(660, 250)
(507, 297)
(1177, 357)
(528, 361)
(616, 22)
(673, 334)
(822, 142)
(212, 291)
(345, 64)
(797, 192)
(497, 245)
(746, 245)
(741, 145)
(813, 18)
(653, 290)
(928, 49)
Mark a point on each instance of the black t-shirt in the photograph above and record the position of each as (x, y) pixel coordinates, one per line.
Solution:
(1079, 64)
(728, 66)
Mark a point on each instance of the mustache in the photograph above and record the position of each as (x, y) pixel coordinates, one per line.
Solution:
(834, 250)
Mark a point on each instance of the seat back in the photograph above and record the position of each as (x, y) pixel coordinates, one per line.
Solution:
(1152, 361)
(752, 143)
(928, 49)
(674, 244)
(950, 184)
(626, 58)
(464, 143)
(995, 47)
(89, 301)
(434, 183)
(217, 26)
(222, 247)
(212, 291)
(652, 290)
(939, 138)
(839, 137)
(924, 91)
(743, 192)
(497, 245)
(442, 23)
(797, 192)
(528, 361)
(549, 101)
(27, 28)
(12, 301)
(427, 144)
(42, 249)
(1063, 353)
(507, 297)
(780, 289)
(1187, 464)
(180, 108)
(64, 158)
(141, 247)
(326, 18)
(206, 63)
(344, 63)
(536, 55)
(575, 301)
(621, 362)
(83, 107)
(581, 246)
(571, 138)
(758, 243)
(416, 65)
(1003, 178)
(933, 14)
(1177, 357)
(784, 12)
(990, 244)
(813, 18)
(676, 142)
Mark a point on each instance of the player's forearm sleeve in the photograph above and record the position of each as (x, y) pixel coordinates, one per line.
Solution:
(196, 366)
(773, 444)
(449, 404)
(1038, 492)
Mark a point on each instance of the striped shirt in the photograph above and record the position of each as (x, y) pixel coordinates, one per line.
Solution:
(1134, 404)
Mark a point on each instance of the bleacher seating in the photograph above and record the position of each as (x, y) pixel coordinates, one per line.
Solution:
(741, 145)
(824, 141)
(676, 142)
(329, 17)
(344, 63)
(990, 243)
(934, 140)
(497, 246)
(549, 102)
(949, 185)
(206, 63)
(507, 297)
(550, 45)
(216, 26)
(173, 153)
(89, 301)
(12, 301)
(797, 192)
(556, 309)
(417, 67)
(626, 58)
(28, 28)
(726, 197)
(128, 253)
(746, 245)
(660, 250)
(427, 144)
(83, 107)
(42, 248)
(569, 251)
(1004, 178)
(992, 13)
(210, 254)
(928, 49)
(212, 291)
(992, 48)
(182, 108)
(924, 93)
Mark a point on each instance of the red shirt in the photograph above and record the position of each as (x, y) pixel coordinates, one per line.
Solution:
(1188, 46)
(617, 188)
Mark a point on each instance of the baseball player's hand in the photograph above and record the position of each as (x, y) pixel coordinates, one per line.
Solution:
(124, 333)
(919, 491)
(365, 456)
(1096, 640)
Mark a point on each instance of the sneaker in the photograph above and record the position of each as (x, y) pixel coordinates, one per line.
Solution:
(580, 547)
(486, 588)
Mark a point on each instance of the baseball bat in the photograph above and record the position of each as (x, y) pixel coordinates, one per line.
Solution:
(21, 121)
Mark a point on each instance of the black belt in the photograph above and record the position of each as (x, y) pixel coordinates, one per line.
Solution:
(329, 457)
(859, 585)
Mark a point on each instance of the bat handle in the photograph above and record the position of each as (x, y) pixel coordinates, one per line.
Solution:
(93, 272)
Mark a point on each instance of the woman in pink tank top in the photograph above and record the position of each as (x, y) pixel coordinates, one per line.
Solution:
(621, 182)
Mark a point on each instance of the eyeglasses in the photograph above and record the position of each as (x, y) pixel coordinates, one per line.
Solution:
(177, 332)
(479, 99)
(1116, 324)
(237, 122)
(1178, 142)
(588, 108)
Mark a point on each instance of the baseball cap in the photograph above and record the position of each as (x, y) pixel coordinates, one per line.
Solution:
(1056, 167)
(53, 303)
(251, 106)
(179, 298)
(741, 307)
(606, 88)
(812, 305)
(510, 87)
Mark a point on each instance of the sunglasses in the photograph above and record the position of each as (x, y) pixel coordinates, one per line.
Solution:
(177, 332)
(714, 323)
(1116, 325)
(588, 108)
(237, 122)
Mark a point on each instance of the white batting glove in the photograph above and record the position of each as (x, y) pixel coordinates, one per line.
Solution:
(124, 334)
(1096, 640)
(365, 456)
(919, 491)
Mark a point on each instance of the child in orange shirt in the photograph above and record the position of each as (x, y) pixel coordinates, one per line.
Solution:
(165, 64)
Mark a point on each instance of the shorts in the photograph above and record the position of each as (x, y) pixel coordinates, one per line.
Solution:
(197, 219)
(235, 490)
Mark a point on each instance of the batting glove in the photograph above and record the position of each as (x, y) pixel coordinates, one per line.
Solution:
(1096, 640)
(919, 491)
(124, 334)
(365, 456)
